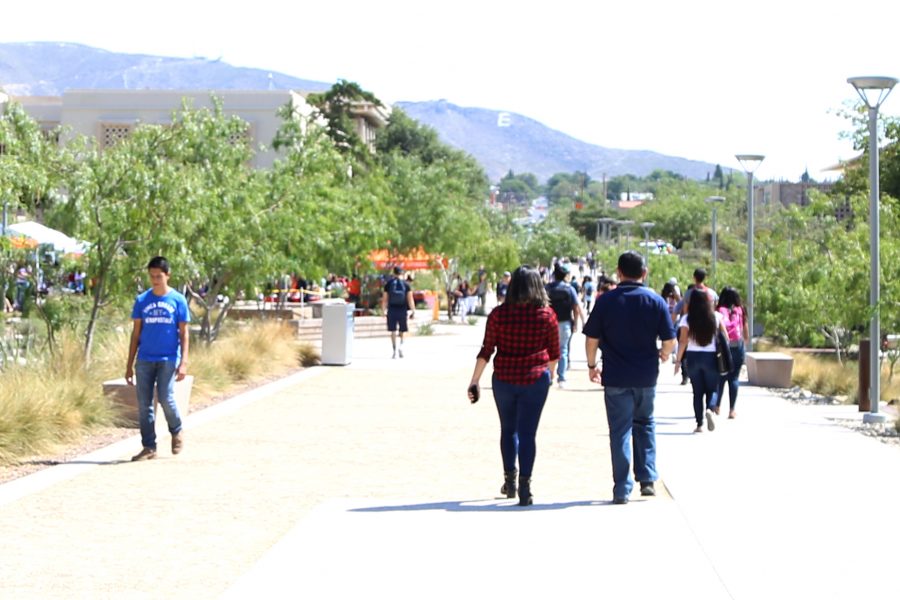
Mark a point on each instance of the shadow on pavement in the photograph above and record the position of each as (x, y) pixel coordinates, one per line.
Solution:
(481, 506)
(54, 463)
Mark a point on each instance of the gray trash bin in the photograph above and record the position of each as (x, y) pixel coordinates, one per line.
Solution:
(337, 334)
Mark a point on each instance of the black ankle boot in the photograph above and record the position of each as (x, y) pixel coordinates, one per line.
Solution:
(525, 498)
(509, 483)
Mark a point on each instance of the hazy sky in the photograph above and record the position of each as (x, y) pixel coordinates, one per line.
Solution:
(701, 79)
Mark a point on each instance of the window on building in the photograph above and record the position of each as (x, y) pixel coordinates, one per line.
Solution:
(112, 133)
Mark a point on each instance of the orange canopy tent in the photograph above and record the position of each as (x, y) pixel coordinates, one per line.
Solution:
(414, 260)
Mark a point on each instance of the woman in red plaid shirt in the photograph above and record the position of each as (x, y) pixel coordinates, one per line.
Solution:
(524, 332)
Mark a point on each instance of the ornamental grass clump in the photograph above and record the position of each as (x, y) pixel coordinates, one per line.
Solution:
(242, 353)
(49, 401)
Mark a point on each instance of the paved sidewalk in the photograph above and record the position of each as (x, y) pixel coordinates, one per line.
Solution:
(380, 478)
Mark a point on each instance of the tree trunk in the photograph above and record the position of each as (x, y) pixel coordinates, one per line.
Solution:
(92, 322)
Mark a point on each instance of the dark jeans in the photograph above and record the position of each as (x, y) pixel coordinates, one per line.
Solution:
(704, 376)
(520, 408)
(737, 359)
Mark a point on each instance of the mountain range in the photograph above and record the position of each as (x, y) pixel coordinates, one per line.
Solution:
(500, 141)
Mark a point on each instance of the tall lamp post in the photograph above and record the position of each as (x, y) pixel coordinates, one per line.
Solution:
(750, 162)
(627, 223)
(647, 226)
(715, 201)
(873, 91)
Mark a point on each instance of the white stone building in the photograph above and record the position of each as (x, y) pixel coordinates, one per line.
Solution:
(110, 115)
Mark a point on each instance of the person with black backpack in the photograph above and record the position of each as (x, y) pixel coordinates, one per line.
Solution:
(564, 302)
(396, 299)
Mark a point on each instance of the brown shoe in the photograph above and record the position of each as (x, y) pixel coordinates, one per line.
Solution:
(177, 442)
(144, 454)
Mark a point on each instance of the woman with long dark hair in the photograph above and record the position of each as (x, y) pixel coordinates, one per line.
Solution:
(525, 334)
(734, 319)
(697, 343)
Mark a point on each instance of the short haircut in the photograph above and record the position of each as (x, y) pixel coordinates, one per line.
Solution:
(526, 287)
(159, 262)
(699, 275)
(560, 272)
(398, 270)
(631, 264)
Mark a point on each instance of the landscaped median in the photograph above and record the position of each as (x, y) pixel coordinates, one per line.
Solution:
(53, 403)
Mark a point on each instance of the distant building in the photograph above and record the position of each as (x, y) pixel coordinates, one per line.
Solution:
(786, 193)
(628, 196)
(110, 115)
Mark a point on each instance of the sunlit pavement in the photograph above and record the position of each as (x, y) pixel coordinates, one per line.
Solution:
(380, 478)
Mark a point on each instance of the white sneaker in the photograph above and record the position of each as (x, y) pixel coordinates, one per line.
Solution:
(394, 355)
(562, 385)
(400, 352)
(710, 422)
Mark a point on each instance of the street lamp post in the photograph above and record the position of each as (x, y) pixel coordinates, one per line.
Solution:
(873, 91)
(647, 226)
(715, 201)
(627, 223)
(750, 162)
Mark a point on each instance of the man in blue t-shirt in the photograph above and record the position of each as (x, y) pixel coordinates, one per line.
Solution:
(625, 325)
(159, 341)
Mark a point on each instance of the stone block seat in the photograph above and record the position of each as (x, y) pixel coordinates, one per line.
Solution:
(125, 398)
(769, 369)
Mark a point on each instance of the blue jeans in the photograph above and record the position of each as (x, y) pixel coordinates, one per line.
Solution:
(161, 374)
(704, 374)
(629, 413)
(737, 359)
(565, 338)
(520, 407)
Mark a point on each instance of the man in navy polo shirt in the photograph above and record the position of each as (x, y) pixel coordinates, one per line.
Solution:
(159, 340)
(625, 325)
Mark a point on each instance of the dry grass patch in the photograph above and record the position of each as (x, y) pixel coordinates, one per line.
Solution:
(49, 403)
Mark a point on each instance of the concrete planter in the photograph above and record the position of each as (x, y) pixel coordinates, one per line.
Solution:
(769, 369)
(125, 398)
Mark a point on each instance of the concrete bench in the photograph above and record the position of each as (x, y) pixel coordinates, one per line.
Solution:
(769, 369)
(125, 398)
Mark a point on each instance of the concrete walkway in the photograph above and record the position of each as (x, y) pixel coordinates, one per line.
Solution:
(379, 478)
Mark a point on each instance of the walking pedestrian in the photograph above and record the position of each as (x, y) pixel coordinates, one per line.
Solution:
(503, 286)
(525, 334)
(697, 342)
(564, 302)
(733, 318)
(625, 325)
(160, 342)
(396, 299)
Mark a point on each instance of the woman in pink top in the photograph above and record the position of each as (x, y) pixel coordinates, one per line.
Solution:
(734, 319)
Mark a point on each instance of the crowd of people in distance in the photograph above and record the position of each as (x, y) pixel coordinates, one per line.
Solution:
(629, 331)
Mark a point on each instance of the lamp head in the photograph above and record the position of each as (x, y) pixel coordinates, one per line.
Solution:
(872, 90)
(715, 199)
(750, 162)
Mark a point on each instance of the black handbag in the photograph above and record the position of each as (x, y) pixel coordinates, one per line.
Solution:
(724, 362)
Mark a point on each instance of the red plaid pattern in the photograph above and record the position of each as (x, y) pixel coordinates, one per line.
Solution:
(525, 337)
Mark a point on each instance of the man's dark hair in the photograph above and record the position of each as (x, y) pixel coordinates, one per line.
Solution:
(526, 287)
(159, 262)
(398, 270)
(699, 275)
(560, 271)
(631, 264)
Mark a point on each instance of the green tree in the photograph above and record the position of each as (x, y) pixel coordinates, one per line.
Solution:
(337, 107)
